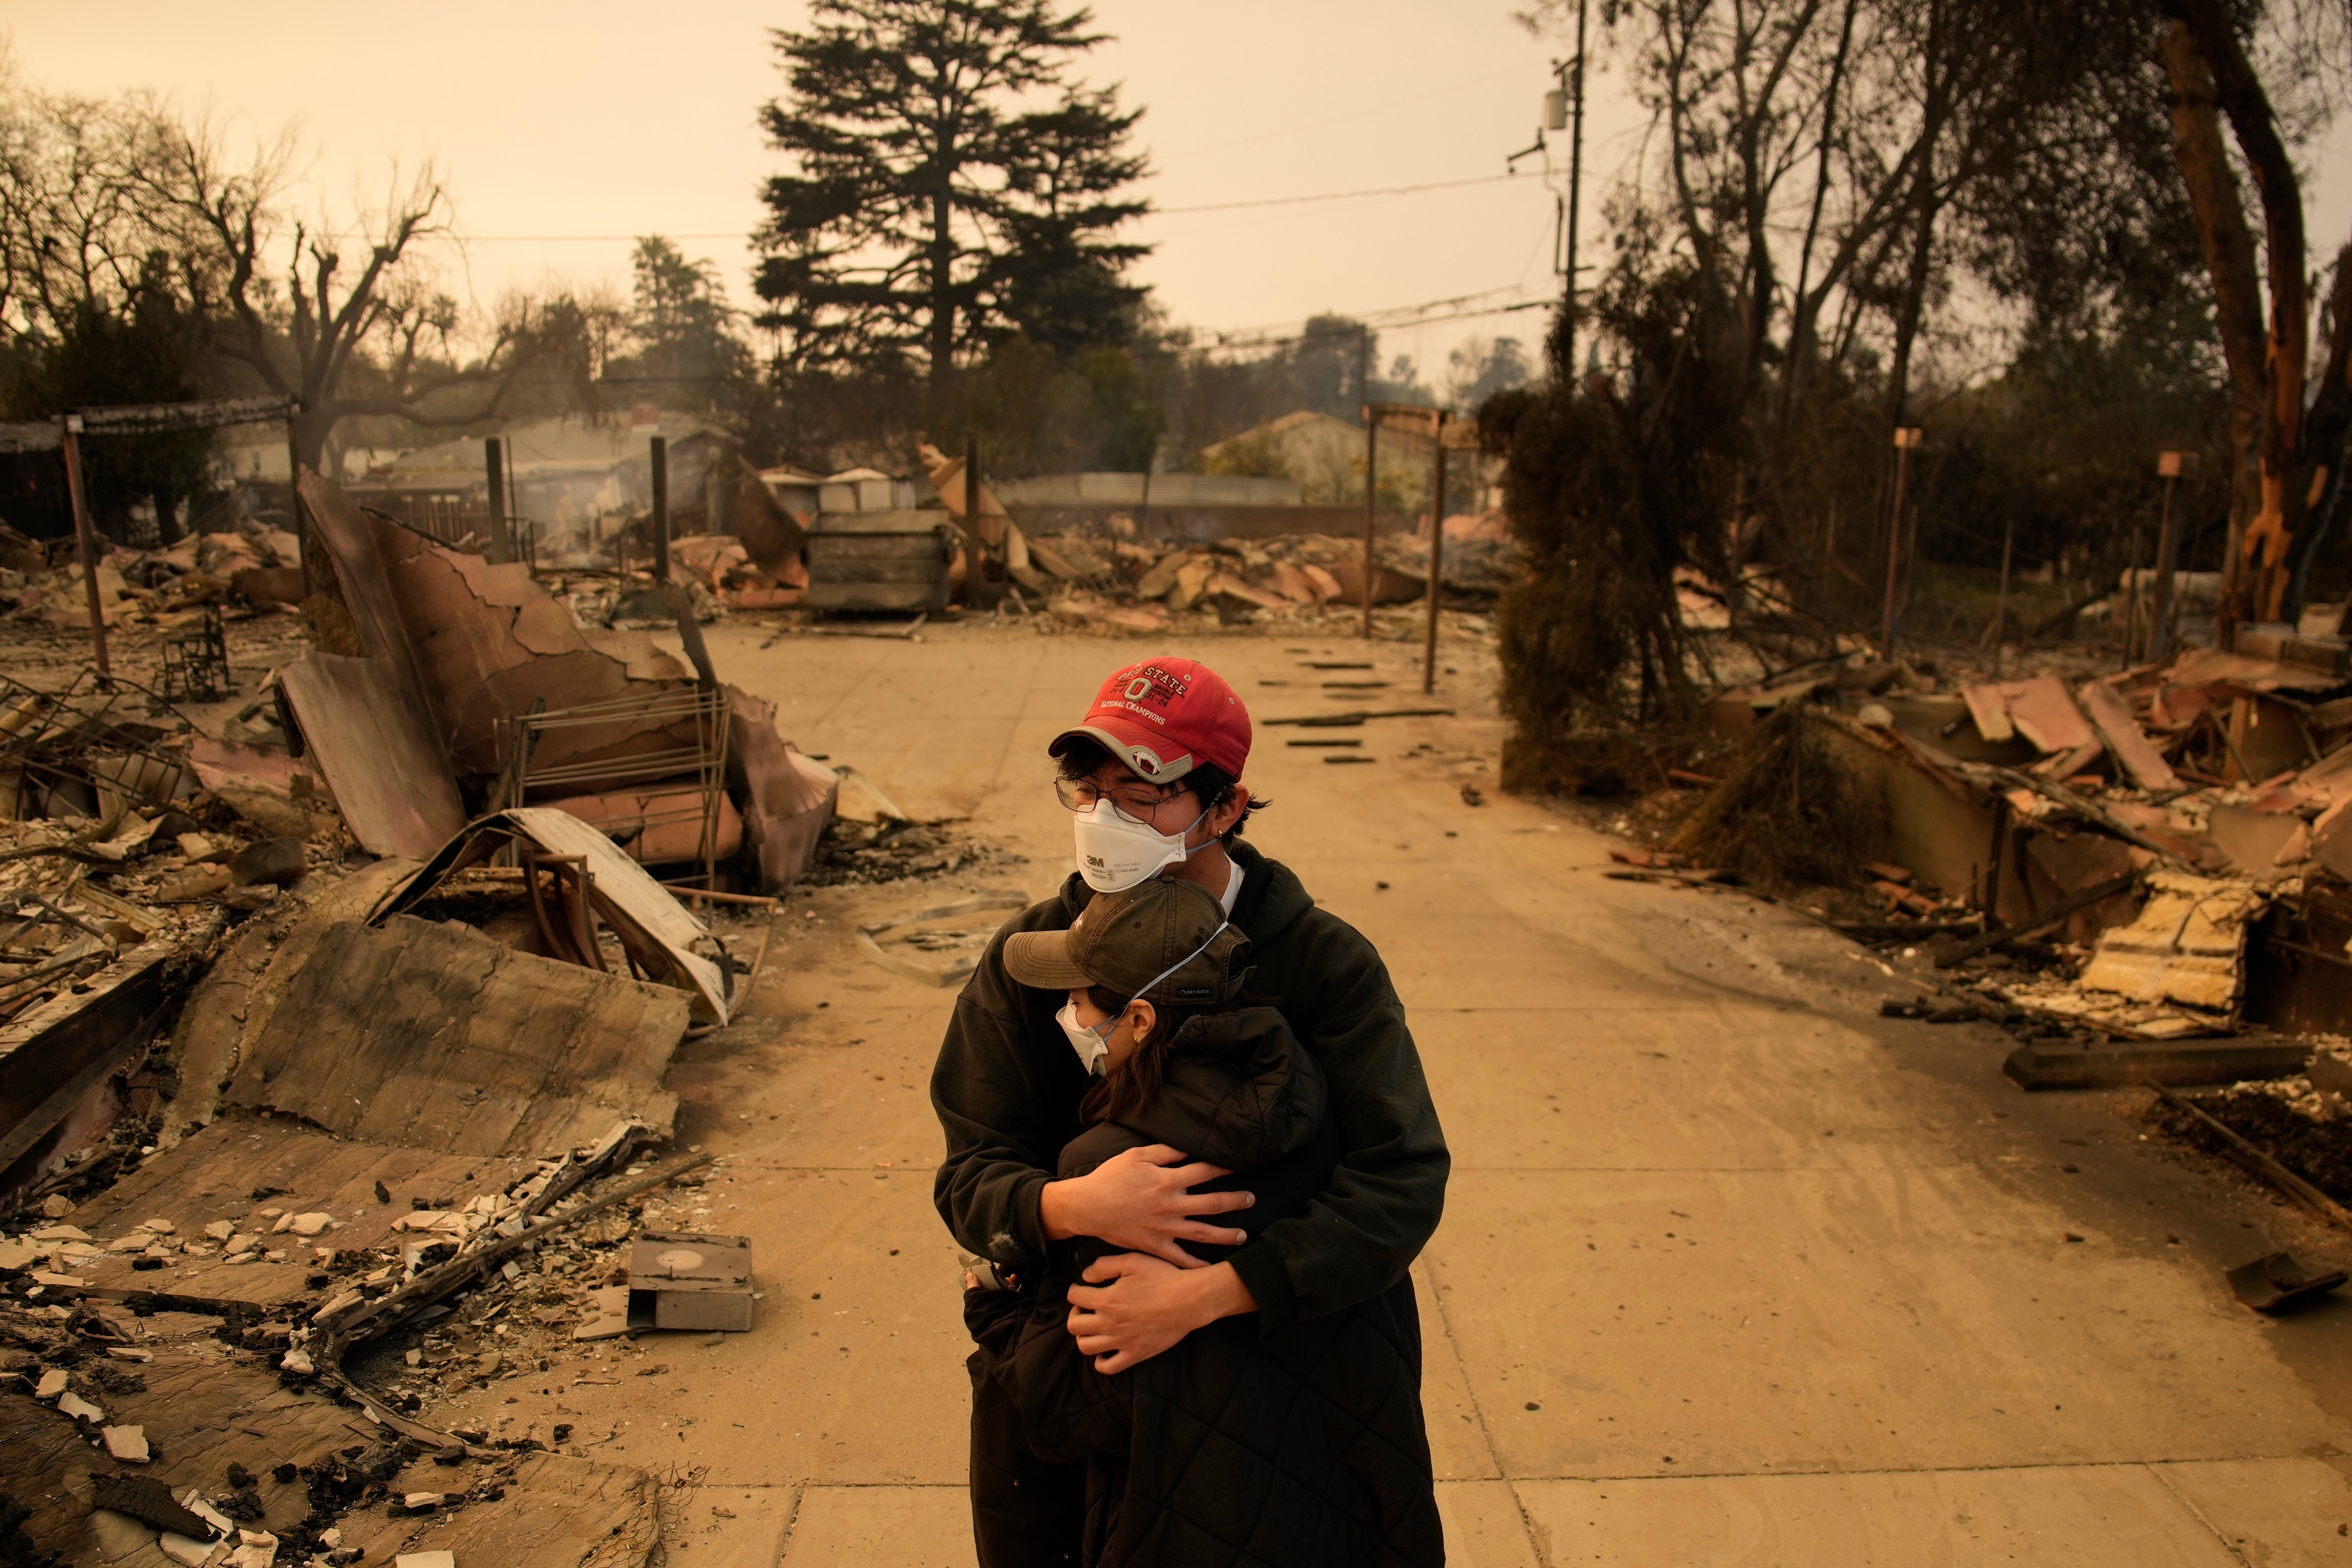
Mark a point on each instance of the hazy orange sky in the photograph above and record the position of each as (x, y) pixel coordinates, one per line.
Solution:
(593, 119)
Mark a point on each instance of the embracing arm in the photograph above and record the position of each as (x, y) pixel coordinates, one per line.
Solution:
(994, 1095)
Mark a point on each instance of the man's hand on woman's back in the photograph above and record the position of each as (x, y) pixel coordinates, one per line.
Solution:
(1141, 1199)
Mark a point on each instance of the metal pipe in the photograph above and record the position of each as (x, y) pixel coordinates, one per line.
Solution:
(2167, 553)
(85, 541)
(661, 509)
(1575, 184)
(1371, 493)
(493, 461)
(2001, 610)
(1436, 558)
(1902, 443)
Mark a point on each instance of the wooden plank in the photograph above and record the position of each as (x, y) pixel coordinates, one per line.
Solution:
(2126, 742)
(2045, 715)
(48, 1051)
(434, 1037)
(389, 776)
(1989, 706)
(2044, 1066)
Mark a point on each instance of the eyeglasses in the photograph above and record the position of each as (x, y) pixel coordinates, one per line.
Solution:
(1132, 803)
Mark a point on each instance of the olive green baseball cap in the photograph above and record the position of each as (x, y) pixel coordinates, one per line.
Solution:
(1164, 940)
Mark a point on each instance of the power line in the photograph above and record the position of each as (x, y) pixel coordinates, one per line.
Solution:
(1155, 212)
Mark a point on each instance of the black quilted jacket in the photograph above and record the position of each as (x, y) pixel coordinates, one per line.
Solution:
(1301, 1446)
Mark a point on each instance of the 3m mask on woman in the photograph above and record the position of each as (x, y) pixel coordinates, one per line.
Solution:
(1115, 852)
(1093, 1046)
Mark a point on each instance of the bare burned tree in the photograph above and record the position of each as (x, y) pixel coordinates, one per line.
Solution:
(342, 337)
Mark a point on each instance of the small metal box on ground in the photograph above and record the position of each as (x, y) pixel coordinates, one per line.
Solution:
(683, 1281)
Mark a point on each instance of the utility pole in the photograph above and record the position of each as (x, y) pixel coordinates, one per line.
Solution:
(1906, 436)
(493, 459)
(661, 509)
(85, 541)
(1575, 186)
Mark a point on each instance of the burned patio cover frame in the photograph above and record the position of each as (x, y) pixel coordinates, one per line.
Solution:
(63, 434)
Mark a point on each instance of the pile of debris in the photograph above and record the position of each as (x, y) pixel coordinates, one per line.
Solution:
(2181, 826)
(1107, 576)
(255, 564)
(325, 1043)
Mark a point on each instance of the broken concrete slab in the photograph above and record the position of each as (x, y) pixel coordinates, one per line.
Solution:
(2186, 946)
(214, 1172)
(436, 1036)
(558, 1512)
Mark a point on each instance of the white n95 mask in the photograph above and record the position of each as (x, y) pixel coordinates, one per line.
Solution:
(1115, 852)
(1093, 1046)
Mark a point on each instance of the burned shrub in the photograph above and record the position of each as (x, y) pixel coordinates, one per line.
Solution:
(1612, 481)
(1784, 815)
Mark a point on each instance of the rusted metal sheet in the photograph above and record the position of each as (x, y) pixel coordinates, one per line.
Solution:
(2126, 742)
(2044, 714)
(434, 1037)
(789, 797)
(656, 826)
(390, 778)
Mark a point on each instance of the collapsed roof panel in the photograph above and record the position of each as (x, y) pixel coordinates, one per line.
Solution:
(436, 1036)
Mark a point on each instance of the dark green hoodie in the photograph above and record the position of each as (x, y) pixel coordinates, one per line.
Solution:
(1007, 1087)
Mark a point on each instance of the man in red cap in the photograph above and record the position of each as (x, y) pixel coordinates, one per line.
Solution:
(1153, 778)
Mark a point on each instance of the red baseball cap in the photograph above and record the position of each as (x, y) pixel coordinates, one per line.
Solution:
(1164, 717)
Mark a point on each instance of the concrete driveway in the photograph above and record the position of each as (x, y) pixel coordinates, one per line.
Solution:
(1733, 1270)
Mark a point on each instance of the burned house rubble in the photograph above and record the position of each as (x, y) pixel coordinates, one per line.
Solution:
(2145, 875)
(334, 1033)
